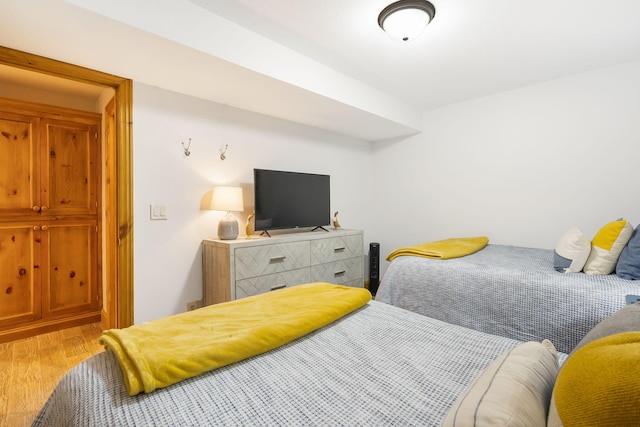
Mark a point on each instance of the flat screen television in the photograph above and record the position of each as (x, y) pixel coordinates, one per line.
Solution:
(290, 200)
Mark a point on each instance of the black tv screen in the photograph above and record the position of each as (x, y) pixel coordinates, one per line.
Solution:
(290, 199)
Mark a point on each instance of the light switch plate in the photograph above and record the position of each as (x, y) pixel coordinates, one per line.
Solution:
(158, 212)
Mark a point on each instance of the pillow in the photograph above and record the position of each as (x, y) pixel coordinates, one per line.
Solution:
(513, 391)
(598, 385)
(572, 251)
(628, 266)
(606, 247)
(626, 319)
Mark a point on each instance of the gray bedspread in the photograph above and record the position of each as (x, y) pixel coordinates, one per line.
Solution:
(378, 366)
(506, 290)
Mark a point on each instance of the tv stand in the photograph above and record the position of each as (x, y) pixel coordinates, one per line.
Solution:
(265, 232)
(320, 227)
(233, 269)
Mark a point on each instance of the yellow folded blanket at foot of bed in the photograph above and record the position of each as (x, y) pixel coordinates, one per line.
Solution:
(443, 249)
(164, 351)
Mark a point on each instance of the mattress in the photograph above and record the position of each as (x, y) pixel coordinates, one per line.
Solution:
(378, 366)
(506, 290)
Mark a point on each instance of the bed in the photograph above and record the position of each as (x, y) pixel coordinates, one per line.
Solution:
(378, 365)
(506, 290)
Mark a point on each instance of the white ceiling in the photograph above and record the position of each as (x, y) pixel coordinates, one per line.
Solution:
(326, 63)
(471, 48)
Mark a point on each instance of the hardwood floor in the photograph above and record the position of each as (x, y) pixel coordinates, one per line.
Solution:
(31, 368)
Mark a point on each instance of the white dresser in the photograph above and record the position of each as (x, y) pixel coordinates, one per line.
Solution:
(233, 269)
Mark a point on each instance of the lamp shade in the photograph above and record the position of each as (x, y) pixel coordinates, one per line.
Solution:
(227, 199)
(405, 20)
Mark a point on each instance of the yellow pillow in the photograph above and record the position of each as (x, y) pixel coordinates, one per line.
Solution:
(598, 385)
(606, 247)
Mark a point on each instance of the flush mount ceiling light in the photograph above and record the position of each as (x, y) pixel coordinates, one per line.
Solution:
(405, 20)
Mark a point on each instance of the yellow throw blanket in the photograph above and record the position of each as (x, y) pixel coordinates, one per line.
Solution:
(443, 249)
(164, 351)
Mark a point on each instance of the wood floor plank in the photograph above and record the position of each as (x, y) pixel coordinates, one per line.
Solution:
(92, 333)
(52, 362)
(6, 367)
(31, 368)
(25, 376)
(20, 420)
(48, 341)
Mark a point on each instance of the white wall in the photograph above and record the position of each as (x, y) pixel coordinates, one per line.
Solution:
(167, 263)
(519, 167)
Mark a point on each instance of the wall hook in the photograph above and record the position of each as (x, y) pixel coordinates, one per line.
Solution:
(223, 152)
(186, 149)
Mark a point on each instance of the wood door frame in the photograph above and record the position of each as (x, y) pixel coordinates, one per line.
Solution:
(121, 258)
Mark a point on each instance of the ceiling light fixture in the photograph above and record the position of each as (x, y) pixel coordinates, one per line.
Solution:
(405, 20)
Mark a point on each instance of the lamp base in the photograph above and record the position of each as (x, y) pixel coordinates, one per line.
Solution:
(228, 228)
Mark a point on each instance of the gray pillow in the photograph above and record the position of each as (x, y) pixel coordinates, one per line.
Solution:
(627, 319)
(628, 266)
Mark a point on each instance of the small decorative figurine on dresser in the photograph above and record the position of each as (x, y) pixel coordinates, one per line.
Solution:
(336, 224)
(248, 228)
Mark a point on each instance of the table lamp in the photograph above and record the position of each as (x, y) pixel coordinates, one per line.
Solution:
(227, 199)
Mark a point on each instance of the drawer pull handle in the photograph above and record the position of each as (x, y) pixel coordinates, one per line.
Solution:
(277, 259)
(340, 249)
(275, 288)
(339, 273)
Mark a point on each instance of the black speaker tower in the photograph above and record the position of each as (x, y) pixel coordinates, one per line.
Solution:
(374, 267)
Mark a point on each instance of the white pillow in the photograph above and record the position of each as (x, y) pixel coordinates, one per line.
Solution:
(606, 247)
(572, 251)
(514, 390)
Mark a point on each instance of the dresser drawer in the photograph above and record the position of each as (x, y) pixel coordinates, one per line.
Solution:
(339, 272)
(262, 284)
(267, 259)
(335, 248)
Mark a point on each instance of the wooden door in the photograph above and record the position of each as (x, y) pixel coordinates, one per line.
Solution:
(49, 218)
(20, 289)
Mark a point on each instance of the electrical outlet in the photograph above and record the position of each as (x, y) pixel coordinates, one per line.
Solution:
(193, 305)
(632, 299)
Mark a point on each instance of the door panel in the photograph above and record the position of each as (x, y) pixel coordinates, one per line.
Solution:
(19, 167)
(19, 282)
(71, 285)
(70, 171)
